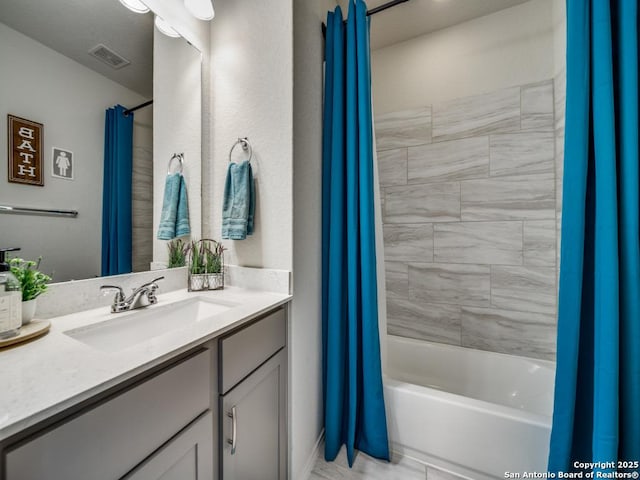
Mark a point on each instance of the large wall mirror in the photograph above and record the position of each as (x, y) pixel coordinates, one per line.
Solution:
(49, 76)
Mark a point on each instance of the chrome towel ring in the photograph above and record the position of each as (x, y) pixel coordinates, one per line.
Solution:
(246, 146)
(180, 158)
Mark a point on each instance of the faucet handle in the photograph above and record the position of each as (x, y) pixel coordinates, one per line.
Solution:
(119, 294)
(118, 301)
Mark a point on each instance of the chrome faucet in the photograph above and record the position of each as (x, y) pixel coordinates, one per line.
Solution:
(141, 297)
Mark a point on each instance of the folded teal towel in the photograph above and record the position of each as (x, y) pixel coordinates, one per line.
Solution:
(174, 219)
(239, 204)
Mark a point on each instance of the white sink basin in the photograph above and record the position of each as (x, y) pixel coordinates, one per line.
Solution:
(123, 330)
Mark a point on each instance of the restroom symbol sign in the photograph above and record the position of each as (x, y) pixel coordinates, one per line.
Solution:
(25, 151)
(62, 163)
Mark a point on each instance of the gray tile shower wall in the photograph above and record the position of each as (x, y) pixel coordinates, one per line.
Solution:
(471, 202)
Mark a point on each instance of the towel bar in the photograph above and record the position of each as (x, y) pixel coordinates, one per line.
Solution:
(245, 146)
(180, 158)
(38, 211)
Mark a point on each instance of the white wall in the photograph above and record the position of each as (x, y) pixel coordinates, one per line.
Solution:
(251, 96)
(511, 47)
(177, 113)
(70, 100)
(306, 326)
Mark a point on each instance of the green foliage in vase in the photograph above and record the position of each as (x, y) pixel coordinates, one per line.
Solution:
(32, 281)
(205, 257)
(178, 250)
(197, 263)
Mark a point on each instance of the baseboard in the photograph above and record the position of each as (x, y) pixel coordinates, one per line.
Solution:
(308, 467)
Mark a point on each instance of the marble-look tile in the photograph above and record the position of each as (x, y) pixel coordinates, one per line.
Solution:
(526, 289)
(438, 202)
(392, 167)
(505, 331)
(559, 88)
(142, 208)
(408, 242)
(318, 476)
(497, 243)
(425, 321)
(522, 153)
(368, 468)
(559, 98)
(559, 165)
(537, 106)
(521, 197)
(396, 275)
(141, 242)
(558, 246)
(450, 283)
(540, 243)
(449, 161)
(495, 112)
(436, 474)
(403, 129)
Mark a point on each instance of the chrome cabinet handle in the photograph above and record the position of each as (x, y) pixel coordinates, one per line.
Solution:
(232, 441)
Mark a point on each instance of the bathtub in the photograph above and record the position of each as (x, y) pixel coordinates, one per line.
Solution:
(475, 414)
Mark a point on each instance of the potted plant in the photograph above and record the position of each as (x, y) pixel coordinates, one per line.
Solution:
(206, 265)
(32, 282)
(215, 265)
(197, 266)
(178, 250)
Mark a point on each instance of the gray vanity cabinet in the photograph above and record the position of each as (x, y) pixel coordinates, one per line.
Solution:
(253, 406)
(148, 422)
(188, 456)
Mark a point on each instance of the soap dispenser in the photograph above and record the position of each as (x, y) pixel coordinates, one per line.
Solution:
(10, 298)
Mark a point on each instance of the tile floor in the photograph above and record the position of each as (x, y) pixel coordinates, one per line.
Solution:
(367, 468)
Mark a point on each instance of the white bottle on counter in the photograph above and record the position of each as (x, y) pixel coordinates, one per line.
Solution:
(10, 299)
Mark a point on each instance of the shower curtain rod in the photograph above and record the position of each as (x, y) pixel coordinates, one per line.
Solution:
(373, 11)
(142, 105)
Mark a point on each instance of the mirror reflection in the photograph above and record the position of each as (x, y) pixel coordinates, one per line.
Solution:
(64, 65)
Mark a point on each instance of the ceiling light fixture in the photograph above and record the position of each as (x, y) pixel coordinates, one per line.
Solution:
(135, 6)
(202, 9)
(165, 28)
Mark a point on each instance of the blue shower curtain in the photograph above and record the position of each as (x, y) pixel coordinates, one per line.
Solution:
(354, 412)
(596, 414)
(116, 193)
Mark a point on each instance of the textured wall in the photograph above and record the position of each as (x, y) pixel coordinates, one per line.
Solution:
(251, 96)
(469, 213)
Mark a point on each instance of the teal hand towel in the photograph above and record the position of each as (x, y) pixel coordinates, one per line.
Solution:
(239, 203)
(174, 219)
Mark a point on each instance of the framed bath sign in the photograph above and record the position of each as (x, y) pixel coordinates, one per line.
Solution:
(25, 151)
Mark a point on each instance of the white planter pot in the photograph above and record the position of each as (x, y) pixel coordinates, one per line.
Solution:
(28, 310)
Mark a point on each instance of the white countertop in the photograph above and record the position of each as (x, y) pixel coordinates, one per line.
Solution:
(55, 372)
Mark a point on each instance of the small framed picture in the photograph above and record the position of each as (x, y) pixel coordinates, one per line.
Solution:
(62, 163)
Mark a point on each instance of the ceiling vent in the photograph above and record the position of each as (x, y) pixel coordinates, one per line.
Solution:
(108, 56)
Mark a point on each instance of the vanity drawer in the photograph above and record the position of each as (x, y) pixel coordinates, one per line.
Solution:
(107, 441)
(243, 351)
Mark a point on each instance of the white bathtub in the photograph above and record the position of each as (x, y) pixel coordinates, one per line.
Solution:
(476, 414)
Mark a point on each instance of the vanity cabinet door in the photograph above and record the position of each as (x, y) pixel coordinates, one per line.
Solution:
(187, 456)
(253, 444)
